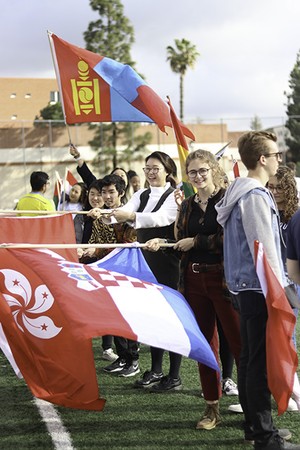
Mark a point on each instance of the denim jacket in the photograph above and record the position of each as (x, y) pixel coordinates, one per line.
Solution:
(248, 213)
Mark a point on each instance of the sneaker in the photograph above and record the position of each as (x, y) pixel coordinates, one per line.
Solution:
(148, 379)
(167, 383)
(235, 408)
(211, 417)
(229, 387)
(278, 443)
(109, 355)
(283, 433)
(116, 366)
(292, 406)
(129, 370)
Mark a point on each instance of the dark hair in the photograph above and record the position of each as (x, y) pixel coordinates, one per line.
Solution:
(169, 165)
(292, 165)
(83, 194)
(253, 145)
(38, 180)
(96, 184)
(287, 182)
(131, 174)
(116, 180)
(127, 186)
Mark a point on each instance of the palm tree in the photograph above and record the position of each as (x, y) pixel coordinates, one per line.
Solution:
(181, 58)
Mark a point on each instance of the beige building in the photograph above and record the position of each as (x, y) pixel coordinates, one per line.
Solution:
(23, 98)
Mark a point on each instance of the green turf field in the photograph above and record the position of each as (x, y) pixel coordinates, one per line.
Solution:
(132, 419)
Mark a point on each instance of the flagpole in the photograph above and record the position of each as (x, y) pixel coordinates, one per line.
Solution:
(50, 246)
(53, 54)
(17, 212)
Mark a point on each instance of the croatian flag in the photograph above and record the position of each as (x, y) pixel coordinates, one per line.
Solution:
(95, 88)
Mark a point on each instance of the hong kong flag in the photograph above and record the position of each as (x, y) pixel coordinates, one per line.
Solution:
(56, 365)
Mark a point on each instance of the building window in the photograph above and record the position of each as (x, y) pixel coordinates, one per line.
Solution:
(54, 97)
(13, 95)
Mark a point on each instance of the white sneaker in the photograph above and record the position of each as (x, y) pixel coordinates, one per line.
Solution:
(235, 408)
(109, 355)
(229, 387)
(292, 406)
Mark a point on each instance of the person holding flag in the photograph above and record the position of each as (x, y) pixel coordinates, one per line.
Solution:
(200, 243)
(248, 214)
(152, 212)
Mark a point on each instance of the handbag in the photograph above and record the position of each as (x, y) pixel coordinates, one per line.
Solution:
(292, 295)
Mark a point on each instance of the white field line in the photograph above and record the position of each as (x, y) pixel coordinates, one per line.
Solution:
(59, 435)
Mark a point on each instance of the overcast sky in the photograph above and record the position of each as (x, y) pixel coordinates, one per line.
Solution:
(248, 49)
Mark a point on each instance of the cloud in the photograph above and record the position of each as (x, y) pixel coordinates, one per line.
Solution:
(246, 51)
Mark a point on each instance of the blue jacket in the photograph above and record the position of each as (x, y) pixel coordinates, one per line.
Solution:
(248, 213)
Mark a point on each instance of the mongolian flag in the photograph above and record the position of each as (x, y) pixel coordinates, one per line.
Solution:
(95, 88)
(282, 360)
(182, 151)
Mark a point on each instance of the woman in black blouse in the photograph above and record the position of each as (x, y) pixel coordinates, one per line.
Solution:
(200, 241)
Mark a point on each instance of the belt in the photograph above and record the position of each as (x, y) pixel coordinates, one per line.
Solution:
(201, 268)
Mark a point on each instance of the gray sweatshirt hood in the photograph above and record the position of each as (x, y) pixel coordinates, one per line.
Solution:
(238, 188)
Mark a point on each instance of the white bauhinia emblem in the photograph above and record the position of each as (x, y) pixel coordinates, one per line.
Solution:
(19, 299)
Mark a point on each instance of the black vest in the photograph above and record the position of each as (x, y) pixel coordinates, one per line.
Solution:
(164, 264)
(167, 232)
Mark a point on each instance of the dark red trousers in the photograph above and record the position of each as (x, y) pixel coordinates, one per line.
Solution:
(204, 292)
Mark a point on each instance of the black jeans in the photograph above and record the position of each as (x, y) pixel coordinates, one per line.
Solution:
(127, 349)
(254, 393)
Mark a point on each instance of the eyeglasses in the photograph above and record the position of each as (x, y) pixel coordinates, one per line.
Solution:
(154, 170)
(277, 154)
(201, 172)
(277, 188)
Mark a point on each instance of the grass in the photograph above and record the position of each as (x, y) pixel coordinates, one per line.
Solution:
(132, 418)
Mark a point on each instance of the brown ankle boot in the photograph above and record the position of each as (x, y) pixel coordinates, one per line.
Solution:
(211, 417)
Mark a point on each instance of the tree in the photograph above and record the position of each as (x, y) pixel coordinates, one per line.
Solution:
(181, 58)
(134, 146)
(256, 124)
(51, 112)
(293, 112)
(111, 35)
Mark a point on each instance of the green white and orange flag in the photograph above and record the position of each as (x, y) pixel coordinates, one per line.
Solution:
(183, 150)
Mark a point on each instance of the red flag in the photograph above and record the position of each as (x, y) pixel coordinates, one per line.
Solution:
(53, 365)
(235, 167)
(183, 150)
(39, 230)
(282, 360)
(236, 171)
(95, 88)
(70, 179)
(56, 365)
(57, 192)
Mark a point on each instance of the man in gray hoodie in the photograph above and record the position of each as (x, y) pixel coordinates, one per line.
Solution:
(248, 213)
